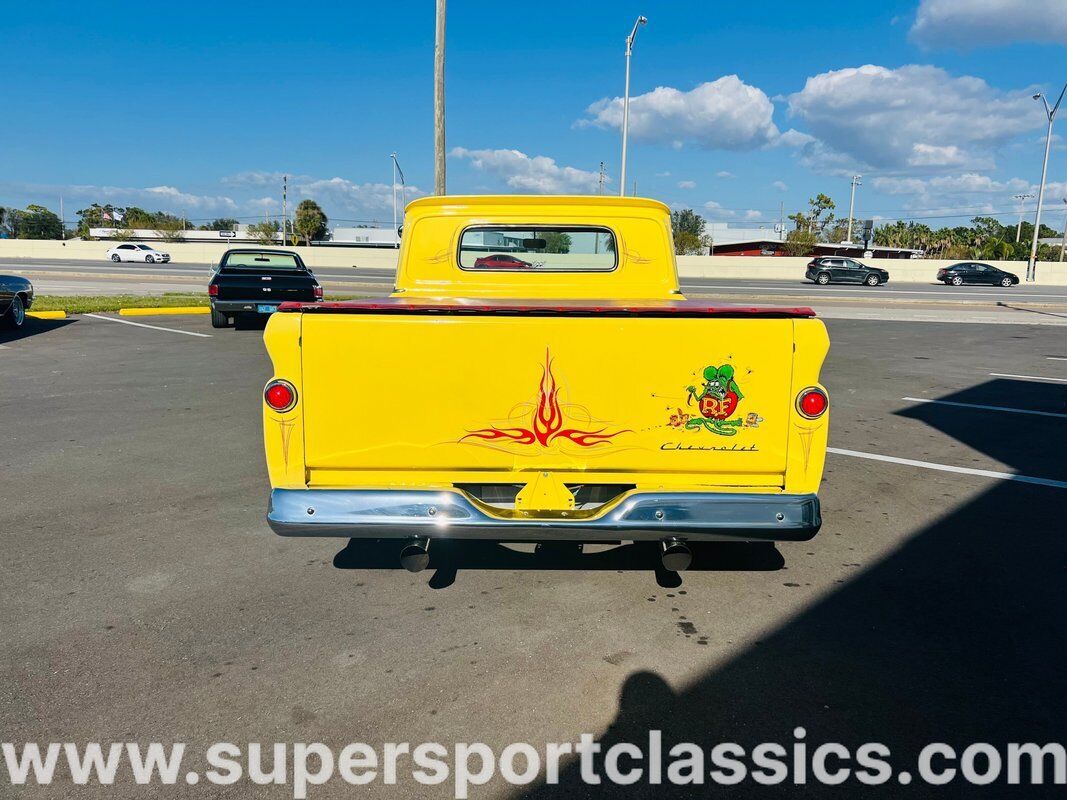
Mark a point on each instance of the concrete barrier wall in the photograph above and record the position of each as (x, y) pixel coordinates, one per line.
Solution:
(194, 252)
(901, 270)
(722, 267)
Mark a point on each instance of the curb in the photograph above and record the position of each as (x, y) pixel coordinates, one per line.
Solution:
(151, 312)
(47, 314)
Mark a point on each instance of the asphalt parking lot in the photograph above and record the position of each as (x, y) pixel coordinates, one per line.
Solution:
(144, 597)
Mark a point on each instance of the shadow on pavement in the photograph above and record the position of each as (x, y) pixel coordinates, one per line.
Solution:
(448, 557)
(31, 327)
(1031, 310)
(958, 636)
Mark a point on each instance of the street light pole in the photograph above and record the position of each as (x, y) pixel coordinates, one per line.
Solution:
(852, 204)
(403, 198)
(1031, 268)
(1022, 198)
(626, 103)
(1063, 244)
(439, 102)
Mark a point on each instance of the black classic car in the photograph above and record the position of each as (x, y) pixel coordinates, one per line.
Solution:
(974, 272)
(252, 282)
(838, 269)
(16, 298)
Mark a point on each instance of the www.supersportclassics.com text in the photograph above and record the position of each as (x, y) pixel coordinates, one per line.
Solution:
(303, 765)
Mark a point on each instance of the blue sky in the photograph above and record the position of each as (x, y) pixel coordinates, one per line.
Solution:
(737, 107)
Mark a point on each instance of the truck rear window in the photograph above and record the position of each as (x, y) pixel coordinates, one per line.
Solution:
(550, 248)
(261, 261)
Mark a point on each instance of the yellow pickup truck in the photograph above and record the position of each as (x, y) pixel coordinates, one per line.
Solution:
(538, 375)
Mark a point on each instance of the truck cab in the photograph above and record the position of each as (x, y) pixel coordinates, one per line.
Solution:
(538, 375)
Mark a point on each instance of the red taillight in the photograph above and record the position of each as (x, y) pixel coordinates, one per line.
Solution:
(213, 290)
(318, 292)
(280, 395)
(812, 403)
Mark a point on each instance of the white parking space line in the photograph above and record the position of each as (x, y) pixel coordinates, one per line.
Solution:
(983, 473)
(142, 325)
(986, 408)
(1056, 358)
(1028, 377)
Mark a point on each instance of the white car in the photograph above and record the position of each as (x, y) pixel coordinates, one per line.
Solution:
(137, 252)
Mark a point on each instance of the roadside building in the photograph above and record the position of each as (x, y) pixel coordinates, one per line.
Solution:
(774, 247)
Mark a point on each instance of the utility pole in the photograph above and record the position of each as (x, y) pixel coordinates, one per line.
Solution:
(781, 221)
(63, 225)
(1031, 267)
(635, 189)
(626, 103)
(285, 207)
(1022, 198)
(600, 180)
(852, 205)
(439, 102)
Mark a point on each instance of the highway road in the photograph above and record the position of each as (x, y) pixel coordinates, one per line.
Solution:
(95, 277)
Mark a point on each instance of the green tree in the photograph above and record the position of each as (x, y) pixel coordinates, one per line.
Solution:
(687, 220)
(37, 222)
(170, 229)
(264, 232)
(799, 243)
(688, 227)
(310, 221)
(220, 224)
(556, 241)
(813, 220)
(96, 216)
(687, 243)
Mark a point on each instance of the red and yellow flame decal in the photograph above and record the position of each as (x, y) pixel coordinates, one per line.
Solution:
(547, 421)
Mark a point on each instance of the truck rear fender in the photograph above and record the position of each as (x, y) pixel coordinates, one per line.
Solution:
(283, 433)
(806, 449)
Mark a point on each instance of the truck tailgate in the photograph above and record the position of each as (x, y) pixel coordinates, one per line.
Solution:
(438, 398)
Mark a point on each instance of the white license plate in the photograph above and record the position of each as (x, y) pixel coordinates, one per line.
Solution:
(266, 309)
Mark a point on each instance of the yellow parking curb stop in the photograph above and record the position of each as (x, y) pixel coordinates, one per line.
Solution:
(47, 314)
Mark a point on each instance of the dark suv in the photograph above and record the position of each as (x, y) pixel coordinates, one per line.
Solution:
(838, 269)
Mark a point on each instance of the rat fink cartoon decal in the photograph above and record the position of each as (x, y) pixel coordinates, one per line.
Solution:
(547, 422)
(717, 401)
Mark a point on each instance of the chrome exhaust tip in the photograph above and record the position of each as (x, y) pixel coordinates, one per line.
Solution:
(675, 555)
(415, 555)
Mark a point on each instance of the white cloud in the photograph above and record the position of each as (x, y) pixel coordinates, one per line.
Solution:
(723, 174)
(970, 192)
(663, 174)
(341, 194)
(910, 119)
(258, 178)
(968, 23)
(687, 184)
(152, 198)
(536, 174)
(780, 186)
(725, 114)
(716, 211)
(753, 214)
(967, 183)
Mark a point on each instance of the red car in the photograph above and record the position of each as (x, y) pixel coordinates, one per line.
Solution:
(501, 261)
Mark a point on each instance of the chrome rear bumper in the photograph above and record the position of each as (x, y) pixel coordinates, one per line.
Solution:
(451, 514)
